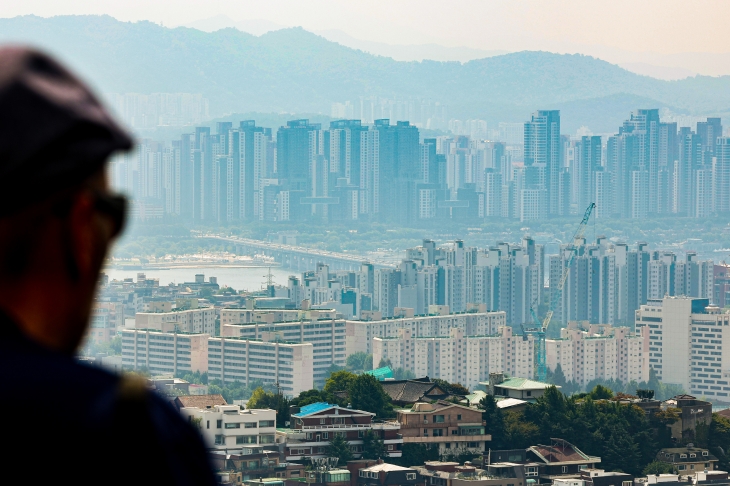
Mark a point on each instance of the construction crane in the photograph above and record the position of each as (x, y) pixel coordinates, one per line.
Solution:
(540, 332)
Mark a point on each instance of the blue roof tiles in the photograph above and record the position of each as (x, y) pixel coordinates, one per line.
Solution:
(312, 408)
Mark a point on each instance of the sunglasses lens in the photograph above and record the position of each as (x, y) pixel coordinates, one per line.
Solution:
(116, 208)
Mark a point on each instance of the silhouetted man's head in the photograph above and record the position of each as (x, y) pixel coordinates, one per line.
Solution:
(57, 216)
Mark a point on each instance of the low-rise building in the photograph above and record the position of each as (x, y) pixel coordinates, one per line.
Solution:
(560, 459)
(255, 462)
(692, 412)
(384, 474)
(453, 428)
(314, 426)
(439, 473)
(407, 392)
(516, 388)
(227, 428)
(163, 352)
(687, 460)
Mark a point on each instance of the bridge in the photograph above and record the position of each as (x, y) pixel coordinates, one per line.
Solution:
(298, 257)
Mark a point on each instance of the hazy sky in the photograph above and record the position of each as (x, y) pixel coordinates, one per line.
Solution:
(661, 26)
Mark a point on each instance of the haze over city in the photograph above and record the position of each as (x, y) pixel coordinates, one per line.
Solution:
(403, 243)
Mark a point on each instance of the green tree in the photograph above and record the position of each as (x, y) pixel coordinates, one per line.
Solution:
(115, 345)
(338, 447)
(385, 362)
(373, 446)
(275, 401)
(494, 419)
(308, 397)
(338, 381)
(366, 393)
(417, 454)
(719, 440)
(452, 388)
(620, 452)
(360, 361)
(657, 467)
(558, 378)
(601, 392)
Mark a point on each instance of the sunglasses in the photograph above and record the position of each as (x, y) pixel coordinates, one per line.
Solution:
(114, 206)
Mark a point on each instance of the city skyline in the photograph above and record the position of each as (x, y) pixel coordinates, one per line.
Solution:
(347, 171)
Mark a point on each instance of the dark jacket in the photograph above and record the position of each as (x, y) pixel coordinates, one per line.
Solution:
(63, 421)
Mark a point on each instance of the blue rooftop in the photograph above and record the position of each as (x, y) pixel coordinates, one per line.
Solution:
(312, 408)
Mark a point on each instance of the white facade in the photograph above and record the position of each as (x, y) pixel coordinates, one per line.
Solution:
(229, 429)
(326, 335)
(456, 357)
(361, 333)
(164, 353)
(600, 352)
(192, 320)
(686, 344)
(244, 360)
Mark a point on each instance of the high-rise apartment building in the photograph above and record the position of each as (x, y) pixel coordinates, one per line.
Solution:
(587, 352)
(457, 357)
(687, 344)
(543, 150)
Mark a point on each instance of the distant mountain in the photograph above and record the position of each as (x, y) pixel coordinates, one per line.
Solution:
(218, 22)
(414, 52)
(292, 70)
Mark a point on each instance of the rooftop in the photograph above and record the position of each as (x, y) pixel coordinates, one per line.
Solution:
(521, 384)
(561, 451)
(386, 467)
(201, 401)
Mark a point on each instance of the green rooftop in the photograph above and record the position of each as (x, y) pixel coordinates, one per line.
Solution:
(381, 373)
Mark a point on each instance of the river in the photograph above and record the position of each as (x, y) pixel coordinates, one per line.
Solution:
(239, 278)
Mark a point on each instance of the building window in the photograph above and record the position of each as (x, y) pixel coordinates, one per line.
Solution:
(447, 445)
(246, 439)
(438, 419)
(458, 417)
(233, 426)
(207, 424)
(390, 447)
(627, 483)
(681, 467)
(322, 421)
(438, 432)
(683, 456)
(250, 425)
(266, 423)
(325, 435)
(693, 455)
(220, 440)
(218, 424)
(410, 476)
(565, 469)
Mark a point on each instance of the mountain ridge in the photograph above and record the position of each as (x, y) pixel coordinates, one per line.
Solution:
(294, 70)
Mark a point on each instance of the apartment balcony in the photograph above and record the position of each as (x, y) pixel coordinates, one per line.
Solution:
(375, 426)
(447, 438)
